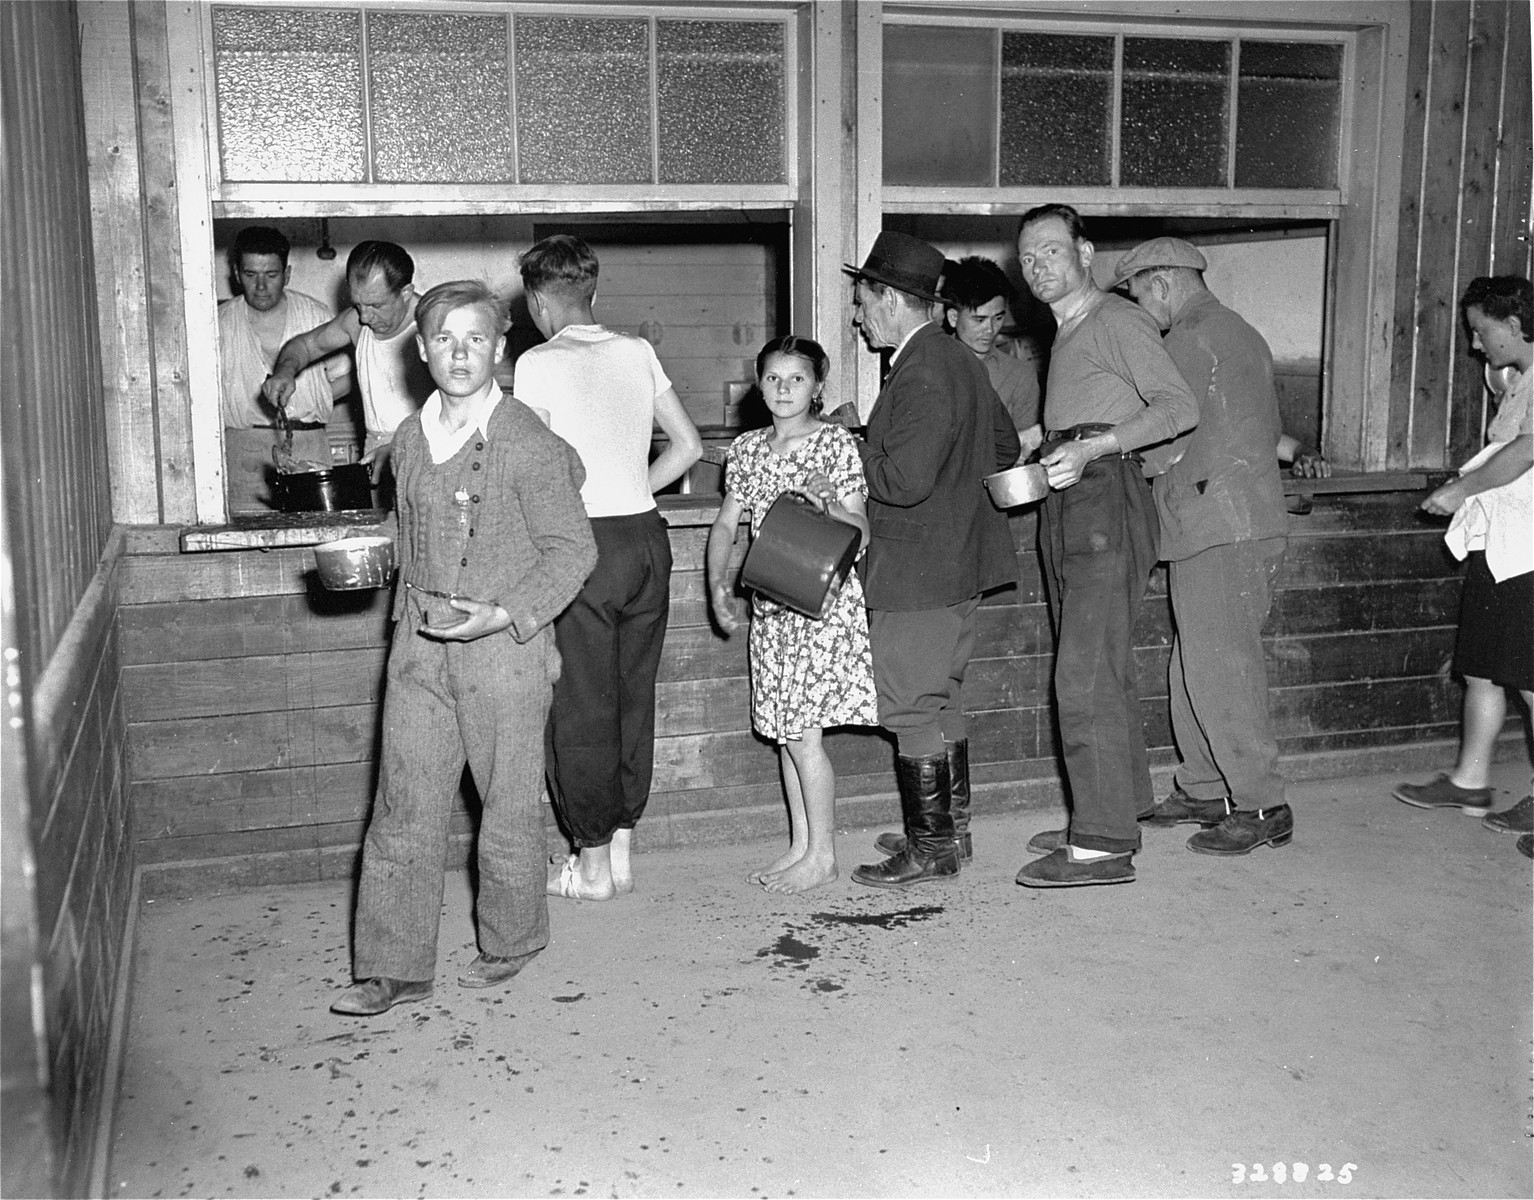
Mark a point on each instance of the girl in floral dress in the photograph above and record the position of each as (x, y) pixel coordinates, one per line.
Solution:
(807, 674)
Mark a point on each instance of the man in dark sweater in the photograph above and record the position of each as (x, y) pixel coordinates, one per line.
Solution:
(493, 543)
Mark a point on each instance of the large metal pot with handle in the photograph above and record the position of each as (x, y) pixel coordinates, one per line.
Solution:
(800, 556)
(342, 487)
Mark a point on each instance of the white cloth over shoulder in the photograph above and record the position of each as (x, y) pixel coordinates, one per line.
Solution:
(1500, 520)
(243, 367)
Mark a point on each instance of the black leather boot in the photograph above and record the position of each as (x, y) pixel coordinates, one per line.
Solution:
(930, 852)
(958, 790)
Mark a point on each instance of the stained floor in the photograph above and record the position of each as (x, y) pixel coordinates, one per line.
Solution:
(1349, 1015)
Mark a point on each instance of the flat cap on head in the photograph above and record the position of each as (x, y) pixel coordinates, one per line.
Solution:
(1159, 252)
(903, 262)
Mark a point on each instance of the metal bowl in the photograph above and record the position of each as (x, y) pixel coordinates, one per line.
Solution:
(354, 563)
(1027, 484)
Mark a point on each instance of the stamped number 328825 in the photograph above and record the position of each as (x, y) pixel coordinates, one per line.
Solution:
(1281, 1173)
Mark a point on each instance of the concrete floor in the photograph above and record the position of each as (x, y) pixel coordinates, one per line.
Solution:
(1359, 999)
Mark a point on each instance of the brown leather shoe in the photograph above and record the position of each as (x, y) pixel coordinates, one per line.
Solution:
(1243, 832)
(380, 994)
(1518, 819)
(490, 969)
(1443, 792)
(908, 867)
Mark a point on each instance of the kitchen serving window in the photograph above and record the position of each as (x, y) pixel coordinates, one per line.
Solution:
(383, 95)
(1165, 109)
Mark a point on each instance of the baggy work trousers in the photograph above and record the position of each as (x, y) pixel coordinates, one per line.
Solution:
(483, 703)
(1097, 545)
(1218, 678)
(601, 730)
(920, 659)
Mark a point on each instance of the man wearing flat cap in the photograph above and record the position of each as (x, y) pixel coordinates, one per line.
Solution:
(1111, 392)
(1223, 525)
(935, 431)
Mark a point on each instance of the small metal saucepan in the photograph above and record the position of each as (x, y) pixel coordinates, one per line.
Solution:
(354, 563)
(1026, 484)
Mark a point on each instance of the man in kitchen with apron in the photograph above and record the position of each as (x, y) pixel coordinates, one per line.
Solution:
(253, 326)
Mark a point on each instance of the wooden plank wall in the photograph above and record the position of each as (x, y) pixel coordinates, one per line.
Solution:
(1465, 212)
(50, 412)
(63, 556)
(252, 721)
(706, 308)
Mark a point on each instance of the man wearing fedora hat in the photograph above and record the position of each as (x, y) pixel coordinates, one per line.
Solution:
(1111, 392)
(1223, 532)
(935, 431)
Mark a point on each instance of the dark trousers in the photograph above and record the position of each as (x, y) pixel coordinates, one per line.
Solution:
(483, 702)
(920, 658)
(1097, 545)
(1218, 678)
(601, 733)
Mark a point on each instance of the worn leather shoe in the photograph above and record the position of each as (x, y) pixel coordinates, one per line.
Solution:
(1518, 819)
(1051, 840)
(380, 994)
(490, 969)
(1443, 792)
(1057, 870)
(1179, 808)
(906, 868)
(1243, 832)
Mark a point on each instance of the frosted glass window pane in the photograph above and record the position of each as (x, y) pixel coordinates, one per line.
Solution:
(1290, 112)
(719, 90)
(1176, 113)
(939, 105)
(583, 100)
(441, 101)
(289, 86)
(1056, 105)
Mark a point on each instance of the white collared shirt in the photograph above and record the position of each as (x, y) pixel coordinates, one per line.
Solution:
(443, 442)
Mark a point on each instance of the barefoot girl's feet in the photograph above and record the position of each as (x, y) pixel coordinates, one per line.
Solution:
(776, 867)
(805, 874)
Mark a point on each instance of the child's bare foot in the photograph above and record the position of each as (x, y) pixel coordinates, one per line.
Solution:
(623, 871)
(809, 872)
(789, 857)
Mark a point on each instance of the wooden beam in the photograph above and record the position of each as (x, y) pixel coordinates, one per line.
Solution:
(163, 194)
(196, 299)
(117, 234)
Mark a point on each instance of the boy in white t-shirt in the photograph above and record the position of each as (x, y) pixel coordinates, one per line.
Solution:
(604, 393)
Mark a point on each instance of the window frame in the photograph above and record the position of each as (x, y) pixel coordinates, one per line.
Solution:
(343, 198)
(1112, 199)
(202, 195)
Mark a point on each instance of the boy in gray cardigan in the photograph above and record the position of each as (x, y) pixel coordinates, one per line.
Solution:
(493, 542)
